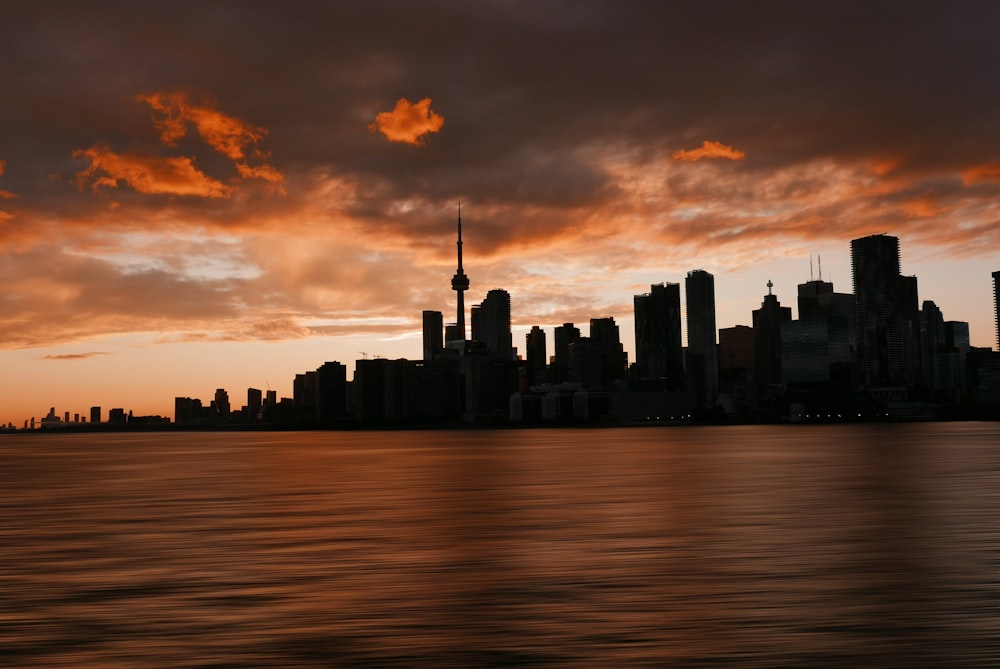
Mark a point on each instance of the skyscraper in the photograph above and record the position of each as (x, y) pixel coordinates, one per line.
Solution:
(491, 324)
(658, 349)
(881, 297)
(996, 304)
(460, 282)
(605, 336)
(565, 335)
(433, 323)
(535, 353)
(767, 338)
(703, 366)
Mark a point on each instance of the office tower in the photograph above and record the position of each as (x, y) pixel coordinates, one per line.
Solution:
(95, 414)
(222, 403)
(996, 305)
(460, 284)
(604, 334)
(433, 332)
(736, 359)
(537, 357)
(658, 350)
(491, 324)
(956, 336)
(932, 340)
(565, 335)
(703, 367)
(585, 365)
(255, 400)
(767, 338)
(883, 312)
(331, 391)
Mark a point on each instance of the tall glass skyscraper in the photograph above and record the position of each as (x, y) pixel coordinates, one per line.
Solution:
(659, 354)
(882, 297)
(703, 365)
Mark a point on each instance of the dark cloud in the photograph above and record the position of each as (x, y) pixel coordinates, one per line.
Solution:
(247, 124)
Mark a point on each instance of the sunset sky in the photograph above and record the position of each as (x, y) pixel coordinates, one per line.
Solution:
(202, 195)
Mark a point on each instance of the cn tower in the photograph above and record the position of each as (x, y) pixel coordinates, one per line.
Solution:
(460, 282)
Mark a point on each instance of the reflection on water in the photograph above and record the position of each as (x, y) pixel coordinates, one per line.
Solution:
(873, 546)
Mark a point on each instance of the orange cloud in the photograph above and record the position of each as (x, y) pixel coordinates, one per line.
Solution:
(147, 174)
(230, 136)
(226, 134)
(408, 122)
(980, 173)
(709, 149)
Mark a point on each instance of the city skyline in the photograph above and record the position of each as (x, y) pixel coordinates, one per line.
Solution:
(194, 197)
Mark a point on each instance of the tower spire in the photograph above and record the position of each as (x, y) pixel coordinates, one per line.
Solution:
(460, 282)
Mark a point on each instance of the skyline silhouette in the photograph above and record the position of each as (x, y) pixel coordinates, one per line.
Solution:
(217, 194)
(879, 343)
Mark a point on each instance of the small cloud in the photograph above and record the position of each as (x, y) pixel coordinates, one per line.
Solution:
(709, 149)
(989, 172)
(147, 174)
(75, 356)
(408, 122)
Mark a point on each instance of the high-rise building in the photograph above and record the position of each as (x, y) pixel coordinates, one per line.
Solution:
(703, 366)
(996, 304)
(604, 334)
(882, 299)
(659, 353)
(433, 322)
(222, 409)
(565, 335)
(331, 392)
(491, 324)
(460, 284)
(736, 359)
(534, 346)
(95, 414)
(767, 338)
(255, 400)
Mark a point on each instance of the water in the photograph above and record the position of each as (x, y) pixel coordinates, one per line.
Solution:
(819, 546)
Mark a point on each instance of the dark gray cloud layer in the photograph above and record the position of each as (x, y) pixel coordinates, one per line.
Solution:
(554, 115)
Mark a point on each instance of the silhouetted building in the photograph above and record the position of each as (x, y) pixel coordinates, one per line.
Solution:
(996, 305)
(883, 312)
(565, 335)
(585, 363)
(932, 342)
(221, 404)
(736, 361)
(117, 416)
(95, 414)
(304, 398)
(255, 403)
(604, 334)
(331, 392)
(536, 355)
(816, 350)
(491, 324)
(767, 338)
(433, 334)
(188, 411)
(406, 391)
(460, 284)
(956, 336)
(659, 353)
(703, 366)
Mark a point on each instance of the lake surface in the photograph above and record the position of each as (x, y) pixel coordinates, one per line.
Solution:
(751, 546)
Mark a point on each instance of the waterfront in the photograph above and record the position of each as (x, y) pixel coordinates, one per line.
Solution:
(750, 546)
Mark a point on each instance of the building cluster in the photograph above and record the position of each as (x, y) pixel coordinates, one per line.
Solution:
(875, 352)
